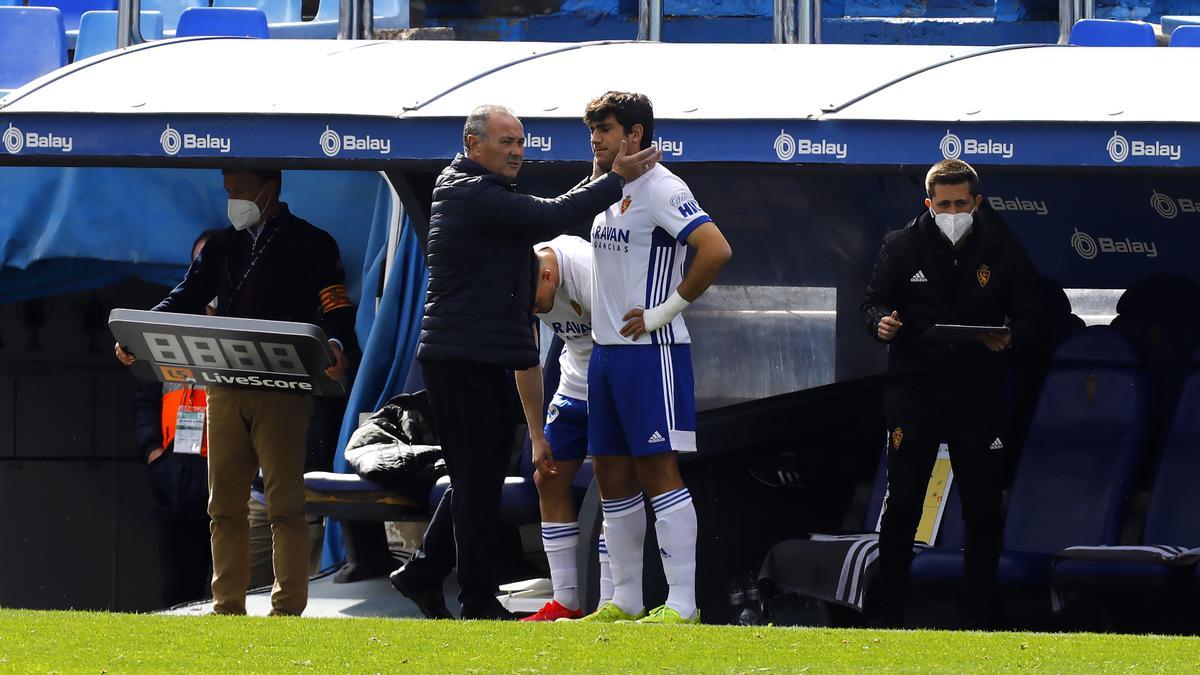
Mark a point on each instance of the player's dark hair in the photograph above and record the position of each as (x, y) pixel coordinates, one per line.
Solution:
(627, 109)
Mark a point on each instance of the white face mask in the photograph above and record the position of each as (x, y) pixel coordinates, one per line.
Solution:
(244, 213)
(954, 225)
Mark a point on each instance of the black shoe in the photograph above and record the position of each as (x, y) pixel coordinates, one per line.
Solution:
(427, 596)
(490, 612)
(359, 571)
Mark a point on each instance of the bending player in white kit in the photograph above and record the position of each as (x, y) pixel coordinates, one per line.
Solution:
(640, 387)
(563, 301)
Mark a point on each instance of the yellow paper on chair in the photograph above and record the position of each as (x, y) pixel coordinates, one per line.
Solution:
(935, 497)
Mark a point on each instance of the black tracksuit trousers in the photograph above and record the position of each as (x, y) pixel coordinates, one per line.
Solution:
(917, 424)
(474, 421)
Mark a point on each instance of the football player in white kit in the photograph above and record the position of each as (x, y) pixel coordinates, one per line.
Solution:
(563, 301)
(640, 387)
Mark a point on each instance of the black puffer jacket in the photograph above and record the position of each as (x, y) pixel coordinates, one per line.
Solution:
(481, 267)
(989, 281)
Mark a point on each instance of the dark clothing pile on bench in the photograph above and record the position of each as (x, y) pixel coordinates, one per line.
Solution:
(397, 447)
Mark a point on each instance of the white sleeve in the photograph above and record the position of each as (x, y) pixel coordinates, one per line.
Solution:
(676, 210)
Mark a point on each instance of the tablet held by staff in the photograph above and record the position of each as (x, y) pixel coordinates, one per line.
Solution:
(948, 333)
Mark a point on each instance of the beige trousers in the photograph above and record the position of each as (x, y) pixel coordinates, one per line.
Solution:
(246, 430)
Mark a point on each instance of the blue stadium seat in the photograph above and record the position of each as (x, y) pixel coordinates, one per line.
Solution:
(1160, 315)
(73, 10)
(1171, 517)
(1171, 22)
(12, 3)
(171, 9)
(32, 43)
(277, 11)
(1186, 36)
(1079, 462)
(1108, 33)
(98, 32)
(222, 21)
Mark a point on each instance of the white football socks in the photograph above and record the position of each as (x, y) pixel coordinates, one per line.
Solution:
(560, 541)
(675, 525)
(625, 534)
(606, 580)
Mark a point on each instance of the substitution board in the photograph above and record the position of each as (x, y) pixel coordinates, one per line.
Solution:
(220, 351)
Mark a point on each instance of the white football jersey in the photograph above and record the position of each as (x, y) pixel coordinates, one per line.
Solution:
(638, 247)
(571, 317)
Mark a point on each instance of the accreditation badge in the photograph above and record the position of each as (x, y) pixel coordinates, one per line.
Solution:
(189, 430)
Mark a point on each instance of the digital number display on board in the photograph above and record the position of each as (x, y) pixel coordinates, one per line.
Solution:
(218, 351)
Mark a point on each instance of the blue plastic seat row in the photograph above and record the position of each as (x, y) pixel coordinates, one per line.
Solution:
(1171, 516)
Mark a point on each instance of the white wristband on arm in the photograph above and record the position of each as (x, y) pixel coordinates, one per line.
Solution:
(660, 315)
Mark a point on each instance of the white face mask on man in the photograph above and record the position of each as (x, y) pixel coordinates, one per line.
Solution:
(954, 225)
(244, 213)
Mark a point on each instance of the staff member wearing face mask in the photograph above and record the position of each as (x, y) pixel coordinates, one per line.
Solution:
(269, 265)
(955, 263)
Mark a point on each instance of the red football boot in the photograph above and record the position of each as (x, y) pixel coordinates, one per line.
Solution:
(552, 611)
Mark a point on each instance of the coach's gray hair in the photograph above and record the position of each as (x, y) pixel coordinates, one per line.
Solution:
(476, 124)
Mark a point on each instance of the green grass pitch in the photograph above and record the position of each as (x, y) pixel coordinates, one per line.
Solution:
(88, 642)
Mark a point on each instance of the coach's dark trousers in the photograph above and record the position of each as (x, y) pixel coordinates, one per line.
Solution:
(917, 423)
(475, 425)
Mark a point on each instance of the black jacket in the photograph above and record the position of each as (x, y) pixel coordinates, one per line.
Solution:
(298, 277)
(481, 266)
(993, 283)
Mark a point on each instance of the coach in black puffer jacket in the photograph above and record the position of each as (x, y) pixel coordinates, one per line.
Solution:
(478, 324)
(481, 266)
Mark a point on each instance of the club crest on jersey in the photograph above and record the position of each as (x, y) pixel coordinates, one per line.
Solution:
(982, 275)
(625, 204)
(897, 436)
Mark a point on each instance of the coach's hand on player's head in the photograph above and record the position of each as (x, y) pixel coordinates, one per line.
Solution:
(635, 323)
(123, 356)
(338, 369)
(631, 167)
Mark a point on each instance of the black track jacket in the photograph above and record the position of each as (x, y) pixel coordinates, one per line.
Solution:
(993, 283)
